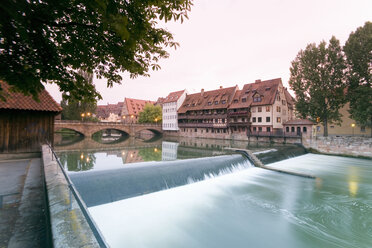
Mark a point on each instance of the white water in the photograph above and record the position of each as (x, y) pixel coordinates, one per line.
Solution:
(251, 208)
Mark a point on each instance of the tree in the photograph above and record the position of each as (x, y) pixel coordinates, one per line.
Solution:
(358, 51)
(150, 114)
(73, 109)
(49, 41)
(317, 78)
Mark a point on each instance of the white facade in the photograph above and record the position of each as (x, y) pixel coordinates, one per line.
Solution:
(170, 107)
(265, 118)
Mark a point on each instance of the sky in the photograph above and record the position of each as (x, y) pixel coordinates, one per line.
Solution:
(234, 42)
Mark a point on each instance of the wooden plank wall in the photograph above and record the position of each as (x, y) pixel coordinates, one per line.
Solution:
(25, 131)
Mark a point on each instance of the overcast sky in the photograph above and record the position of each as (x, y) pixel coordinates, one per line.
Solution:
(229, 42)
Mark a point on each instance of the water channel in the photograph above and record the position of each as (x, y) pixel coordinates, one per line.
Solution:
(168, 192)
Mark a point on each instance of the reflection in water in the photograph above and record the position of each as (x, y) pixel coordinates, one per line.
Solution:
(110, 136)
(77, 161)
(353, 179)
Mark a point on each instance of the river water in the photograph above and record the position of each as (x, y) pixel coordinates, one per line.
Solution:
(233, 205)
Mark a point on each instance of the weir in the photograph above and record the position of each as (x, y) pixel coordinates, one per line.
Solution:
(258, 163)
(100, 187)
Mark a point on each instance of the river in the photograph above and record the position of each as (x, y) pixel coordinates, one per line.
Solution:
(151, 194)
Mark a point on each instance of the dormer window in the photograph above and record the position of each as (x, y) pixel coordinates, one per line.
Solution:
(216, 102)
(223, 101)
(257, 98)
(244, 99)
(246, 92)
(236, 101)
(209, 103)
(267, 88)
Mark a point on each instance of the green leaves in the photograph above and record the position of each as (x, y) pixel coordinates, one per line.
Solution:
(317, 78)
(358, 50)
(150, 114)
(49, 41)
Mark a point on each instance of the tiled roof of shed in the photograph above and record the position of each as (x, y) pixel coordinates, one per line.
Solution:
(15, 100)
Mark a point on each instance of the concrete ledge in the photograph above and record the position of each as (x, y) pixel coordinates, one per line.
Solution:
(68, 224)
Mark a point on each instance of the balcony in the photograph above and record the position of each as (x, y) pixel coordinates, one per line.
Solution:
(245, 113)
(202, 117)
(240, 123)
(203, 125)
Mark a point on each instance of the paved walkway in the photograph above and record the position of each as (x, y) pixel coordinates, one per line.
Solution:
(22, 204)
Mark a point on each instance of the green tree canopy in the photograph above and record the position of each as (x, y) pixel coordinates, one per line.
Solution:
(49, 41)
(358, 50)
(150, 114)
(317, 78)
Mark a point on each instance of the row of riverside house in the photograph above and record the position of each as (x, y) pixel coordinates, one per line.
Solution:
(260, 107)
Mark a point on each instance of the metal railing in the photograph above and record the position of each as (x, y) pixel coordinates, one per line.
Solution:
(99, 237)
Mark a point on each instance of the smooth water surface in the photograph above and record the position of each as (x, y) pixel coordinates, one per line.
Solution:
(252, 208)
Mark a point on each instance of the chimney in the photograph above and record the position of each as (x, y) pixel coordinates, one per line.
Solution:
(202, 92)
(258, 81)
(221, 87)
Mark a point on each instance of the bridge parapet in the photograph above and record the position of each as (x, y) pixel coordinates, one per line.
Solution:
(89, 128)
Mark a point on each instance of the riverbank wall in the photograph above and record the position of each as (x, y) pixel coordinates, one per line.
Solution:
(355, 146)
(340, 145)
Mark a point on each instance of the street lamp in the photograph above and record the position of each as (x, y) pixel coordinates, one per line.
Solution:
(82, 116)
(352, 126)
(132, 116)
(156, 120)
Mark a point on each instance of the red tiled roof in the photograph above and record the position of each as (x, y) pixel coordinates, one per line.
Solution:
(174, 96)
(15, 100)
(160, 101)
(104, 111)
(207, 99)
(135, 106)
(299, 122)
(266, 89)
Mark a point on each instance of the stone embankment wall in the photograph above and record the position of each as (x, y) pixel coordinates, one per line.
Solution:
(341, 145)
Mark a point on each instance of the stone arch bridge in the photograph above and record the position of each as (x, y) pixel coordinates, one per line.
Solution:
(89, 128)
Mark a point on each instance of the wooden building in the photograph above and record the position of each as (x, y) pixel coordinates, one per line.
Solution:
(25, 123)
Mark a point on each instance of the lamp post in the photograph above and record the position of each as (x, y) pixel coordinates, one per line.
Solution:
(82, 116)
(132, 116)
(156, 120)
(353, 126)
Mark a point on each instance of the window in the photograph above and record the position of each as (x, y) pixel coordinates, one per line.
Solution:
(223, 101)
(332, 126)
(196, 130)
(278, 109)
(259, 119)
(267, 108)
(254, 119)
(216, 102)
(278, 97)
(257, 99)
(259, 109)
(209, 103)
(254, 110)
(278, 119)
(244, 99)
(260, 129)
(287, 129)
(207, 130)
(268, 129)
(236, 101)
(363, 129)
(318, 128)
(254, 129)
(304, 129)
(283, 102)
(268, 119)
(292, 129)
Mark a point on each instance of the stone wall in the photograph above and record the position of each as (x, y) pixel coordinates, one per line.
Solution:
(341, 145)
